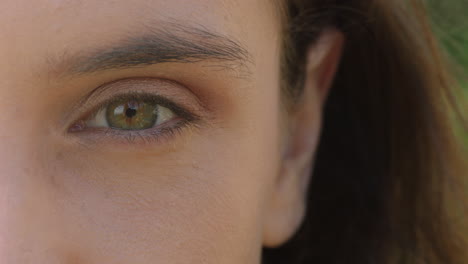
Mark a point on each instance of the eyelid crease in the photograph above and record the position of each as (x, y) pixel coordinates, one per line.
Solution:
(188, 105)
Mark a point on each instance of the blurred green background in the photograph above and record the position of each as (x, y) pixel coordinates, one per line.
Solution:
(450, 20)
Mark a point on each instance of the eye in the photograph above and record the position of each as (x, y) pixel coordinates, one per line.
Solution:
(130, 114)
(135, 112)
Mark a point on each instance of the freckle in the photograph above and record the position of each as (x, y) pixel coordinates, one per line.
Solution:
(59, 156)
(74, 258)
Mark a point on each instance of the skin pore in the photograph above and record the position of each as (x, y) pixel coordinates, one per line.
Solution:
(223, 177)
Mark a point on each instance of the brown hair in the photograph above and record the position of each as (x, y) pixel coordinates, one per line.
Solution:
(387, 153)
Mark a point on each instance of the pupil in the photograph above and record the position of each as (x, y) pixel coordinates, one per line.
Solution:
(130, 112)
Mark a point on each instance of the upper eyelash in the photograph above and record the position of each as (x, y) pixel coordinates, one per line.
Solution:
(150, 134)
(156, 99)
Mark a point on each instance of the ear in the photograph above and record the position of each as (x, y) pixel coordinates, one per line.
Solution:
(287, 205)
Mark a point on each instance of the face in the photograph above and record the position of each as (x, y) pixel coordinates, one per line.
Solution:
(144, 131)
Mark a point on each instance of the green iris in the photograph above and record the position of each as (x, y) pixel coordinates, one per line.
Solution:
(132, 115)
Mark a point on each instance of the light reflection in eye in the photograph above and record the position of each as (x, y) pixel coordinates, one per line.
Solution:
(135, 115)
(130, 114)
(119, 110)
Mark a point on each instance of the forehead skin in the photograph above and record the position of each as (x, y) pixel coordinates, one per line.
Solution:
(197, 199)
(80, 25)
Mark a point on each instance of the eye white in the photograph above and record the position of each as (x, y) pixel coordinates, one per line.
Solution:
(100, 119)
(164, 115)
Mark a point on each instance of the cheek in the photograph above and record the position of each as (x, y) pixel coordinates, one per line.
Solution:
(202, 200)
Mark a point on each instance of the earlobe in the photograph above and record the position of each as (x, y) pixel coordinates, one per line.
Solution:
(288, 202)
(286, 212)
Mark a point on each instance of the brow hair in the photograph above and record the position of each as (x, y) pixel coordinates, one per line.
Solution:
(171, 42)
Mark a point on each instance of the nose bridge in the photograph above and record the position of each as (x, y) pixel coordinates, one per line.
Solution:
(19, 144)
(22, 124)
(15, 211)
(35, 222)
(31, 221)
(26, 203)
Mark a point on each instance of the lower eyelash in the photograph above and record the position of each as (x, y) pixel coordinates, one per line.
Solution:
(156, 135)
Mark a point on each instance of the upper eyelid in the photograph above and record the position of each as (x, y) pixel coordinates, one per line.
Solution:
(174, 95)
(125, 84)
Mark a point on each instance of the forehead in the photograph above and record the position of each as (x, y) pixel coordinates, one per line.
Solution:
(72, 9)
(34, 28)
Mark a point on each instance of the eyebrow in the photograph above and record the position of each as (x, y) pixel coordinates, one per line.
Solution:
(171, 42)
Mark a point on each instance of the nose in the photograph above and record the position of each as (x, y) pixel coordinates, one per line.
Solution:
(29, 221)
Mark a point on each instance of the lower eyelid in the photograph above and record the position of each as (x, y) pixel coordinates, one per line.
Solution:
(137, 138)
